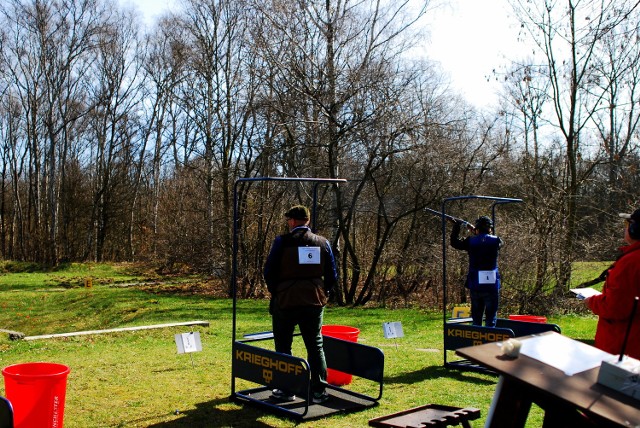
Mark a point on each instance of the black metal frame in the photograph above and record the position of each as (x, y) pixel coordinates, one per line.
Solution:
(234, 262)
(354, 352)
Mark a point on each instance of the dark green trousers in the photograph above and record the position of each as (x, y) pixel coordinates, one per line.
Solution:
(309, 321)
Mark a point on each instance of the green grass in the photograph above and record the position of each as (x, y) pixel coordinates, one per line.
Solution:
(586, 271)
(136, 379)
(30, 276)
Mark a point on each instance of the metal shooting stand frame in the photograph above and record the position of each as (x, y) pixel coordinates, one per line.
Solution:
(273, 370)
(458, 332)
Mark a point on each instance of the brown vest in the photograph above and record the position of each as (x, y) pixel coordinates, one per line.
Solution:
(301, 269)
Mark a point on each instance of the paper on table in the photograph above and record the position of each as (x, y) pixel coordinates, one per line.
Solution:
(585, 292)
(563, 353)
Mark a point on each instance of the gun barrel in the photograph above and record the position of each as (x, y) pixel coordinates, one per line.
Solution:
(450, 217)
(439, 213)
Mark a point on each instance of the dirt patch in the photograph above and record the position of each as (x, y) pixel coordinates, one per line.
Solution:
(213, 289)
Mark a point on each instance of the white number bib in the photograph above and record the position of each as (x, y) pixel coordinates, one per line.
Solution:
(487, 277)
(309, 255)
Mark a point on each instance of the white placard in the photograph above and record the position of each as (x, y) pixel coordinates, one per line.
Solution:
(563, 353)
(392, 330)
(487, 277)
(309, 255)
(188, 342)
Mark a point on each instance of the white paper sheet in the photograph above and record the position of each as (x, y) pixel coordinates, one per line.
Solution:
(583, 293)
(563, 353)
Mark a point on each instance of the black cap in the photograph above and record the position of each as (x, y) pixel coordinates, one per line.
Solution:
(298, 212)
(484, 223)
(635, 216)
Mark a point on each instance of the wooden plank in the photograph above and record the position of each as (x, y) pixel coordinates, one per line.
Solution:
(115, 330)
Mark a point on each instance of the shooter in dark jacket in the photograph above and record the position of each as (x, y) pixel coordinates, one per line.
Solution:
(300, 272)
(483, 278)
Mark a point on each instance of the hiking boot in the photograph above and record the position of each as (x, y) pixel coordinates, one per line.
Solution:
(281, 395)
(320, 397)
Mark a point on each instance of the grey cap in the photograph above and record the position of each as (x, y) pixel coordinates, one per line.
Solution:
(635, 216)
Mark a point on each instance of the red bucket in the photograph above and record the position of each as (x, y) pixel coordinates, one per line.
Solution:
(37, 393)
(528, 318)
(335, 377)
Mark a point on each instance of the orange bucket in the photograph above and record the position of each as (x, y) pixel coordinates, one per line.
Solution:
(336, 377)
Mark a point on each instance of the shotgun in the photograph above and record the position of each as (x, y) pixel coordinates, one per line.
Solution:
(597, 280)
(451, 218)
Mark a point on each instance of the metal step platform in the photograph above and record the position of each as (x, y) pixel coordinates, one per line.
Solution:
(273, 370)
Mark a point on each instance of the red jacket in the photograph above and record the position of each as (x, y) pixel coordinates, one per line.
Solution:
(615, 304)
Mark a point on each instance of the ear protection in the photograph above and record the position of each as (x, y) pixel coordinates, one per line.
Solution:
(634, 230)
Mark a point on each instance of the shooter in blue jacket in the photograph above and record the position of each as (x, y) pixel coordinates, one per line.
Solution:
(483, 278)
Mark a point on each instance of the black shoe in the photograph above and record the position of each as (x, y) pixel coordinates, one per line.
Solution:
(281, 395)
(320, 397)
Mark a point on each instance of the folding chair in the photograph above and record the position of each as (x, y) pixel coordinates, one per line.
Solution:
(6, 413)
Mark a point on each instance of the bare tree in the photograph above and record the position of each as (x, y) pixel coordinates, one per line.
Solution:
(567, 34)
(116, 91)
(616, 78)
(332, 60)
(164, 68)
(46, 58)
(217, 95)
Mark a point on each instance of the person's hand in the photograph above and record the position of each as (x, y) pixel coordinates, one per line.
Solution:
(460, 223)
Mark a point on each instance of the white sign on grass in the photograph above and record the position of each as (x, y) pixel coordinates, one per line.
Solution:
(392, 330)
(188, 342)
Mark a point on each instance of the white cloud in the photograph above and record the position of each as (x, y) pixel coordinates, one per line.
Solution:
(470, 38)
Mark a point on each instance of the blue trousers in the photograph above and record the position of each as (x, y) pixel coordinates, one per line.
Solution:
(484, 303)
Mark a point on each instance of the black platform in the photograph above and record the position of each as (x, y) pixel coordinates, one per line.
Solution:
(340, 401)
(459, 333)
(273, 370)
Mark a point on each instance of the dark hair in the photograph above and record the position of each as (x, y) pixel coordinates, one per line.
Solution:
(484, 224)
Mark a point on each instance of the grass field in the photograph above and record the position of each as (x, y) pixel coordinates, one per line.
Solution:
(137, 379)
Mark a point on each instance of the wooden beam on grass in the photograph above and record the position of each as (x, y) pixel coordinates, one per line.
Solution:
(116, 330)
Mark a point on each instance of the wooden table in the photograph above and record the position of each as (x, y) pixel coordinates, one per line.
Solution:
(576, 400)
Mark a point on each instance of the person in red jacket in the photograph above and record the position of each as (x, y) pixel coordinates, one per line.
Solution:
(615, 305)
